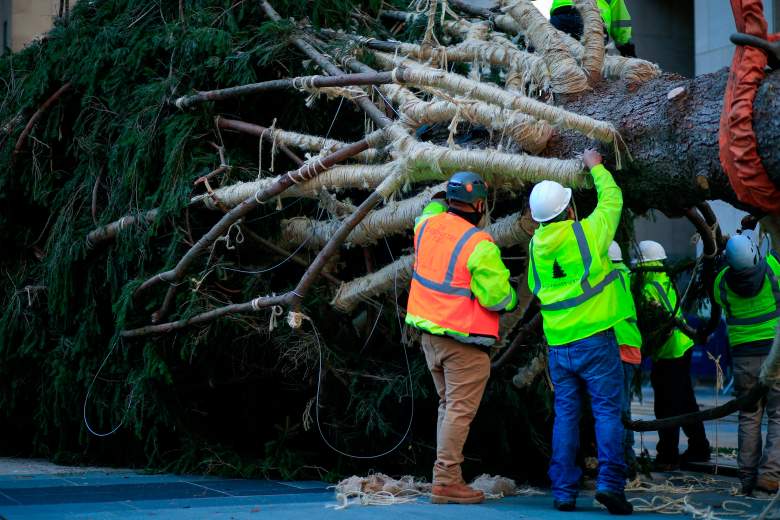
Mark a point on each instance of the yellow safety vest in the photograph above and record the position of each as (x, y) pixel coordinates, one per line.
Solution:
(627, 331)
(751, 319)
(659, 288)
(615, 14)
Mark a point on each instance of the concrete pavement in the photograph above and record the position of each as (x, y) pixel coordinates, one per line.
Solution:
(70, 493)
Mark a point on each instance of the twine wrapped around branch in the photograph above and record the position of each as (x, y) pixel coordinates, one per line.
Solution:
(361, 176)
(530, 134)
(315, 143)
(592, 37)
(393, 218)
(567, 76)
(513, 171)
(417, 74)
(531, 66)
(526, 71)
(632, 70)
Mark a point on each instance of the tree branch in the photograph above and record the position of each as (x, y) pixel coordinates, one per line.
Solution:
(236, 308)
(20, 142)
(281, 183)
(111, 230)
(259, 131)
(376, 115)
(303, 82)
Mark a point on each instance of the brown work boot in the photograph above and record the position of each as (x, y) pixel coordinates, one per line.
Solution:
(456, 494)
(767, 485)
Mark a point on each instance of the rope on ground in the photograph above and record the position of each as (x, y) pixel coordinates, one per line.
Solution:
(675, 506)
(378, 489)
(672, 497)
(769, 507)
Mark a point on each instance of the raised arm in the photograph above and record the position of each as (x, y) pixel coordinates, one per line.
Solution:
(603, 222)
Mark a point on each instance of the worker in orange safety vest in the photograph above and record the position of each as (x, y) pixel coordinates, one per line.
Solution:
(459, 287)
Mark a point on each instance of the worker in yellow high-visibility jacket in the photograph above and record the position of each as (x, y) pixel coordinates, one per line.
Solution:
(617, 22)
(671, 371)
(630, 342)
(579, 292)
(748, 290)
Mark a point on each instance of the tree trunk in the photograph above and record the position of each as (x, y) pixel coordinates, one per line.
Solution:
(674, 143)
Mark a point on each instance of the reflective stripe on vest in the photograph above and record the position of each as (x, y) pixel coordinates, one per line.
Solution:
(753, 320)
(500, 306)
(446, 286)
(588, 291)
(662, 294)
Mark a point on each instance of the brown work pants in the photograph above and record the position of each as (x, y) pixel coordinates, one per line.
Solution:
(460, 373)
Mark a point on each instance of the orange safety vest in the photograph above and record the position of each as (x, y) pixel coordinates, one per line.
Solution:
(441, 284)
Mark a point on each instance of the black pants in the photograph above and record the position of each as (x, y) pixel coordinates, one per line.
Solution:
(568, 20)
(671, 380)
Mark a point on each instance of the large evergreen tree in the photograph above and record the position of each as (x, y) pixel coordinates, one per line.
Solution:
(130, 208)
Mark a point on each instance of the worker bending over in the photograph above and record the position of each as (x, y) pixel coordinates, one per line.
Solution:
(459, 286)
(580, 296)
(630, 342)
(617, 22)
(747, 289)
(671, 372)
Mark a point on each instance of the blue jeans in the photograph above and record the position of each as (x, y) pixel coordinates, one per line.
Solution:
(589, 365)
(629, 371)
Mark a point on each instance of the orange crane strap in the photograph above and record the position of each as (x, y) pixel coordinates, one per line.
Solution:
(737, 141)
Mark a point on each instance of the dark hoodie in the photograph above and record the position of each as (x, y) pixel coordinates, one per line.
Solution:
(747, 283)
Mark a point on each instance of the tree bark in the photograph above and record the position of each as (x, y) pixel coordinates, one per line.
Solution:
(673, 142)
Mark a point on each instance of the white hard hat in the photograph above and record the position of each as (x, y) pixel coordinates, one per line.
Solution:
(614, 253)
(650, 250)
(548, 199)
(741, 253)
